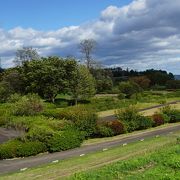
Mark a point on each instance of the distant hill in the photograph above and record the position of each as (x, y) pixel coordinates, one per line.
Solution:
(177, 77)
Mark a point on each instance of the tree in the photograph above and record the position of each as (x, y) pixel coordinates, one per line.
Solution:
(129, 88)
(142, 81)
(84, 85)
(26, 54)
(86, 47)
(103, 79)
(48, 76)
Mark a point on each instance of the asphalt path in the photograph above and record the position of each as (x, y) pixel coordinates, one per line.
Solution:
(7, 166)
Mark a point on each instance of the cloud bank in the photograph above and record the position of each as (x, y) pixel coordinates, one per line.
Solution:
(144, 34)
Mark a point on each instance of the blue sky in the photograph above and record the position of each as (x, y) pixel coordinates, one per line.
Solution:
(138, 34)
(51, 14)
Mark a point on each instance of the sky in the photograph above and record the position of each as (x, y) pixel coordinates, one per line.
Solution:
(138, 34)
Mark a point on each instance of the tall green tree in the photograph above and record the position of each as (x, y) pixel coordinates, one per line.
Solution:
(84, 84)
(48, 76)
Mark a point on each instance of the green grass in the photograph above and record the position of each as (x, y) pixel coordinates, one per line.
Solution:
(92, 161)
(162, 164)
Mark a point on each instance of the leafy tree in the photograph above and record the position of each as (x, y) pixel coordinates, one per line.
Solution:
(86, 47)
(84, 85)
(48, 76)
(26, 54)
(129, 88)
(103, 79)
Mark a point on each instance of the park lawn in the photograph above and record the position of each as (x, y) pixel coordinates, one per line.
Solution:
(66, 168)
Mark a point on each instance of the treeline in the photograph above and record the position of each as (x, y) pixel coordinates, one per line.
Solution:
(50, 76)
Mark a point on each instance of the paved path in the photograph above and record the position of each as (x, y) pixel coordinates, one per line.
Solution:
(113, 117)
(6, 134)
(7, 166)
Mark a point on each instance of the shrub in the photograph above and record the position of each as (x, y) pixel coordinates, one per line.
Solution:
(104, 131)
(25, 149)
(173, 114)
(28, 105)
(129, 88)
(16, 148)
(144, 122)
(65, 140)
(121, 96)
(158, 119)
(40, 133)
(14, 98)
(109, 128)
(129, 116)
(116, 126)
(84, 119)
(55, 113)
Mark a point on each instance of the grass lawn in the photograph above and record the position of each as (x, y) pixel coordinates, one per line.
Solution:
(161, 164)
(66, 168)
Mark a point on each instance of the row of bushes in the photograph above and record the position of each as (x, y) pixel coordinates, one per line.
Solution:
(45, 141)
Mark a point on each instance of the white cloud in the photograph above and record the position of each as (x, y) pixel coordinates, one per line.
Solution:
(143, 34)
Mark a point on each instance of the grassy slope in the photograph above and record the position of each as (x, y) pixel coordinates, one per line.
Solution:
(161, 164)
(94, 160)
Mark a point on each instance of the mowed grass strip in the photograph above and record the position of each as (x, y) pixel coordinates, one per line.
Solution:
(161, 164)
(68, 167)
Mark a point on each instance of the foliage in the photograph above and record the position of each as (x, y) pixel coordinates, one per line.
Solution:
(129, 117)
(65, 140)
(173, 84)
(144, 122)
(48, 76)
(14, 98)
(84, 84)
(158, 119)
(104, 131)
(142, 81)
(121, 96)
(16, 148)
(4, 92)
(129, 88)
(109, 128)
(171, 114)
(30, 104)
(84, 119)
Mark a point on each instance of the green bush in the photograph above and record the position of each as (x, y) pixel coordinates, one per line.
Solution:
(28, 105)
(129, 116)
(65, 140)
(55, 113)
(16, 148)
(129, 88)
(121, 96)
(104, 131)
(144, 122)
(173, 114)
(14, 98)
(40, 133)
(84, 119)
